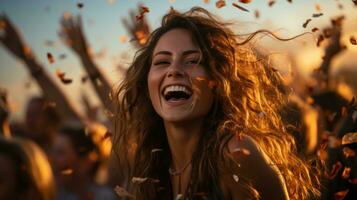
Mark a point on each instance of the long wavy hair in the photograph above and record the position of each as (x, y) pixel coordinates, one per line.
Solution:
(248, 94)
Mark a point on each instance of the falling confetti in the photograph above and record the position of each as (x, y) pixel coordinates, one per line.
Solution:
(138, 180)
(317, 7)
(206, 1)
(306, 23)
(62, 77)
(141, 15)
(353, 40)
(240, 7)
(271, 3)
(245, 1)
(235, 178)
(122, 39)
(67, 172)
(50, 58)
(317, 15)
(80, 5)
(220, 3)
(156, 150)
(257, 14)
(314, 29)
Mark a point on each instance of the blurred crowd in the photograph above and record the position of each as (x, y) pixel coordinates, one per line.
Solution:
(57, 153)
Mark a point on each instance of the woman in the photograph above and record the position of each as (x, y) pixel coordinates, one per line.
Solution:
(197, 118)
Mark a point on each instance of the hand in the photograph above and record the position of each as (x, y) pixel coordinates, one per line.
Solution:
(72, 34)
(11, 39)
(138, 29)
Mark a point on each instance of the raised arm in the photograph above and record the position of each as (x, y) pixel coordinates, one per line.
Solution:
(12, 41)
(137, 26)
(73, 36)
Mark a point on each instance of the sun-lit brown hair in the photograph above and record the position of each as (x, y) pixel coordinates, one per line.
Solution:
(248, 94)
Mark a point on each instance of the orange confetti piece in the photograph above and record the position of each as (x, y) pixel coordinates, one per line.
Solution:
(257, 14)
(306, 23)
(206, 1)
(346, 173)
(314, 29)
(353, 40)
(220, 3)
(271, 3)
(141, 37)
(122, 39)
(317, 7)
(50, 58)
(62, 77)
(245, 1)
(67, 172)
(240, 7)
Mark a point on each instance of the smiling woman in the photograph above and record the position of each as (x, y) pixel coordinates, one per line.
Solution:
(197, 118)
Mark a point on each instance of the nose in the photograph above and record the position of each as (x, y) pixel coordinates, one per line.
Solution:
(175, 70)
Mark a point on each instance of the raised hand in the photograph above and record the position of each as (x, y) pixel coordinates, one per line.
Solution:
(72, 34)
(137, 26)
(12, 40)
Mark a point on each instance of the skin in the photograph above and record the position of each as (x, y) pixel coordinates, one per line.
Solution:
(175, 61)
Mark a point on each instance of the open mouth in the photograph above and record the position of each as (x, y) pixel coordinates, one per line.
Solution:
(176, 93)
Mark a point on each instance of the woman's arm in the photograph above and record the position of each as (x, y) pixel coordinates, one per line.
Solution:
(257, 170)
(13, 42)
(73, 36)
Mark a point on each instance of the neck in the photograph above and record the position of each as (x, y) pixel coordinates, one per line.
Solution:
(183, 139)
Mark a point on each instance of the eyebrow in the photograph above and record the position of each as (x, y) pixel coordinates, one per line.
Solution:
(187, 52)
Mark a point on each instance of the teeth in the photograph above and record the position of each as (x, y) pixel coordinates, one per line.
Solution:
(172, 88)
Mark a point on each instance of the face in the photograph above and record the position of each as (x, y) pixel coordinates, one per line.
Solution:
(178, 84)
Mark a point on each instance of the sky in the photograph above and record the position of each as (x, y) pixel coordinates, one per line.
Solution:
(39, 21)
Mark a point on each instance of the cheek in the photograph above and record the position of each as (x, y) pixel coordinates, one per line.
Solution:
(153, 87)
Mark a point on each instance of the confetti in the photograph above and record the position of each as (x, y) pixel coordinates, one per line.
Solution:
(80, 5)
(141, 15)
(271, 3)
(245, 1)
(220, 3)
(314, 29)
(67, 172)
(156, 150)
(235, 178)
(122, 39)
(240, 7)
(206, 1)
(138, 180)
(317, 7)
(353, 40)
(317, 15)
(50, 58)
(257, 14)
(306, 23)
(141, 36)
(62, 77)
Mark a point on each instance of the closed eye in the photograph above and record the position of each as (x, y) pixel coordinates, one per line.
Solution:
(162, 63)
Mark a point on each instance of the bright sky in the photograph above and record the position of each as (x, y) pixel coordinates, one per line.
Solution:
(38, 20)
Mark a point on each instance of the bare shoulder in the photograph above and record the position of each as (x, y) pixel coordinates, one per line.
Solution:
(255, 169)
